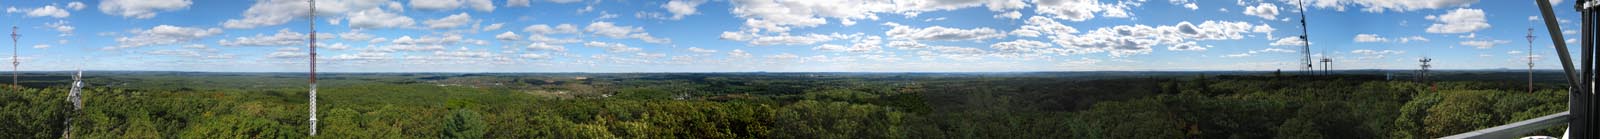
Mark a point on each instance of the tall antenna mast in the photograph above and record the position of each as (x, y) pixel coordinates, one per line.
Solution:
(1305, 34)
(313, 44)
(14, 62)
(1423, 75)
(1530, 58)
(77, 102)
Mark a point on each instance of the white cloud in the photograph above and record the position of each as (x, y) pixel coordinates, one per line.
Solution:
(441, 5)
(163, 35)
(1037, 25)
(1377, 52)
(1009, 15)
(701, 50)
(1254, 52)
(1289, 41)
(681, 8)
(940, 33)
(609, 29)
(1379, 6)
(41, 46)
(1265, 10)
(49, 11)
(781, 15)
(448, 22)
(355, 35)
(508, 36)
(865, 44)
(288, 52)
(75, 5)
(377, 18)
(495, 26)
(1458, 21)
(1025, 46)
(436, 5)
(518, 3)
(1484, 44)
(1081, 10)
(284, 37)
(566, 1)
(738, 54)
(61, 26)
(1370, 38)
(783, 39)
(546, 29)
(141, 9)
(546, 47)
(481, 5)
(277, 12)
(612, 47)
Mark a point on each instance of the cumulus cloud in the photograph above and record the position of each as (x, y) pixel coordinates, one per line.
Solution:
(62, 26)
(1458, 21)
(612, 47)
(163, 35)
(939, 33)
(141, 9)
(1377, 52)
(681, 8)
(1265, 10)
(508, 36)
(448, 22)
(1484, 44)
(1082, 10)
(701, 50)
(49, 11)
(277, 12)
(377, 18)
(546, 29)
(546, 47)
(75, 5)
(1379, 6)
(782, 15)
(865, 44)
(612, 30)
(1254, 52)
(284, 37)
(783, 39)
(1370, 38)
(1036, 26)
(495, 26)
(518, 3)
(738, 53)
(1289, 41)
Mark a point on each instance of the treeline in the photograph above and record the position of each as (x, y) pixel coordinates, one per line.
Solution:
(792, 107)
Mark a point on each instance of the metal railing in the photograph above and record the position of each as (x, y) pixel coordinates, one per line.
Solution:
(1517, 129)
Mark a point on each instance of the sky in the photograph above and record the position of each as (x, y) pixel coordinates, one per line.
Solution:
(775, 35)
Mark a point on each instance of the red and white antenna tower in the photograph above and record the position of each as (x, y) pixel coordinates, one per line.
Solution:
(313, 44)
(1530, 58)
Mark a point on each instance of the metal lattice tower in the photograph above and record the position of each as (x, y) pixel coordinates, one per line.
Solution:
(1530, 58)
(1304, 38)
(14, 62)
(1326, 63)
(77, 102)
(313, 45)
(1423, 74)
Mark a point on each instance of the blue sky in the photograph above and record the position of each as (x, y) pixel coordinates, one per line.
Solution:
(772, 35)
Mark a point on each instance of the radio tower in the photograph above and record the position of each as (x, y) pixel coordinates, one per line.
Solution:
(1530, 59)
(1423, 74)
(13, 59)
(1326, 63)
(313, 44)
(1306, 48)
